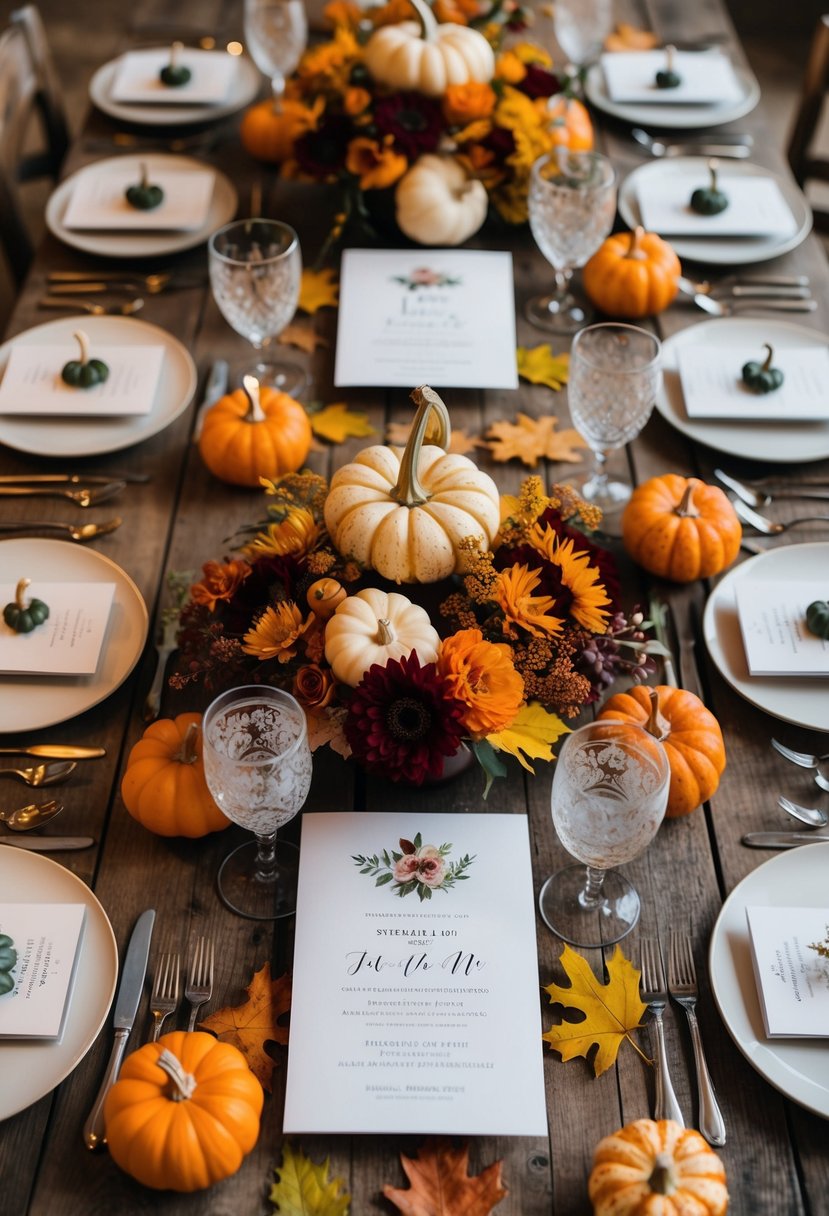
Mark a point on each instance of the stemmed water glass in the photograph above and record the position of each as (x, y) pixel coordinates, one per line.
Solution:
(276, 32)
(581, 27)
(572, 203)
(257, 764)
(610, 791)
(255, 275)
(614, 377)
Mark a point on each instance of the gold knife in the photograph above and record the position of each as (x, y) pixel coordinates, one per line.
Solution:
(55, 751)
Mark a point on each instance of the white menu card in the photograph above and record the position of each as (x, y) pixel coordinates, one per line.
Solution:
(712, 383)
(777, 640)
(792, 978)
(46, 938)
(415, 992)
(137, 77)
(98, 201)
(705, 78)
(32, 382)
(444, 317)
(756, 206)
(69, 641)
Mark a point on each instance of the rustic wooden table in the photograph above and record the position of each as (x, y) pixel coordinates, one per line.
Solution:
(776, 1154)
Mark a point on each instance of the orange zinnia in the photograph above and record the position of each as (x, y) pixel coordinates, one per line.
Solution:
(514, 592)
(220, 582)
(376, 166)
(465, 103)
(481, 675)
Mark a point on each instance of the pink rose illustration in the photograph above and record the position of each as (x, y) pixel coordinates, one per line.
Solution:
(406, 868)
(431, 871)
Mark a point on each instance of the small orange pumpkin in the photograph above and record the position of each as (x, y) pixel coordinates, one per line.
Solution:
(568, 123)
(656, 1167)
(245, 437)
(163, 786)
(632, 274)
(269, 133)
(687, 730)
(681, 528)
(324, 595)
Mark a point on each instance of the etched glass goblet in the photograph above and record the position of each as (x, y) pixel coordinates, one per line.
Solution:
(276, 32)
(609, 795)
(257, 764)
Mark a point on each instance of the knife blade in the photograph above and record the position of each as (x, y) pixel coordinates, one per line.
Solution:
(215, 388)
(48, 844)
(73, 479)
(126, 1006)
(55, 751)
(783, 840)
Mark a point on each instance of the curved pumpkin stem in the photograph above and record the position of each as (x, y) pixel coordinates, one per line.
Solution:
(19, 592)
(408, 490)
(663, 1178)
(428, 23)
(184, 1083)
(187, 752)
(657, 724)
(83, 342)
(685, 508)
(712, 169)
(769, 356)
(255, 413)
(634, 250)
(385, 633)
(670, 51)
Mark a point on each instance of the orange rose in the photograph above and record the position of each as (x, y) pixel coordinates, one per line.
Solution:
(376, 166)
(314, 686)
(220, 582)
(481, 675)
(464, 103)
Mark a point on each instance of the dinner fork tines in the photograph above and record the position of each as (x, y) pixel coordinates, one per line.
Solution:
(199, 987)
(682, 983)
(164, 998)
(655, 996)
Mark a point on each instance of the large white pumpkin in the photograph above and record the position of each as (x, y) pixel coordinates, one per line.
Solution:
(375, 626)
(437, 203)
(428, 57)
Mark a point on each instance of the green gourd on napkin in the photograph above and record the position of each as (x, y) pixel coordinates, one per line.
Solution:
(709, 200)
(174, 74)
(23, 617)
(817, 618)
(84, 372)
(144, 195)
(8, 961)
(762, 377)
(668, 77)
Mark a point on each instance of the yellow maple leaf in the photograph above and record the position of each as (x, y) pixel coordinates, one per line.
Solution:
(336, 422)
(304, 1189)
(533, 732)
(460, 441)
(301, 336)
(612, 1010)
(256, 1022)
(532, 439)
(318, 289)
(539, 365)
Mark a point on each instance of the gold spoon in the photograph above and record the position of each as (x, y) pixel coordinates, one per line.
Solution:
(97, 310)
(25, 818)
(42, 774)
(81, 532)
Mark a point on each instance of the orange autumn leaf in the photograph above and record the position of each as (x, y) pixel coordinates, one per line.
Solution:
(442, 1186)
(630, 38)
(302, 337)
(460, 442)
(251, 1025)
(318, 289)
(532, 439)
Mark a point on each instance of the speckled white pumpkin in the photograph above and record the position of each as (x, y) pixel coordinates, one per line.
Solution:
(375, 626)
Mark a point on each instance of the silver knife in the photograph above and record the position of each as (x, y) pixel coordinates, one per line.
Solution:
(782, 840)
(126, 1006)
(55, 751)
(48, 844)
(215, 388)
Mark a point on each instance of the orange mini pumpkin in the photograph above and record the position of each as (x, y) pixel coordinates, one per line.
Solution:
(163, 786)
(689, 733)
(632, 274)
(568, 123)
(269, 133)
(247, 437)
(681, 528)
(648, 1167)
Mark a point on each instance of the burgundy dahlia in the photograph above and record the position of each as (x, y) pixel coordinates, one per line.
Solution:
(414, 122)
(538, 82)
(321, 153)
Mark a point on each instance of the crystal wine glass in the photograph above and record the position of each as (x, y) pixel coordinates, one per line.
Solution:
(276, 32)
(581, 27)
(614, 377)
(255, 274)
(257, 764)
(610, 791)
(572, 203)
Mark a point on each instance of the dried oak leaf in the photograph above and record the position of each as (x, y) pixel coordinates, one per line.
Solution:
(441, 1184)
(612, 1010)
(304, 1189)
(318, 289)
(532, 439)
(336, 422)
(251, 1025)
(459, 443)
(302, 337)
(539, 365)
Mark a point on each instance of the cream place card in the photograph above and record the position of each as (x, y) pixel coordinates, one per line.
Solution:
(792, 977)
(137, 77)
(32, 383)
(415, 1002)
(705, 78)
(756, 206)
(776, 637)
(443, 317)
(98, 201)
(46, 939)
(712, 383)
(69, 641)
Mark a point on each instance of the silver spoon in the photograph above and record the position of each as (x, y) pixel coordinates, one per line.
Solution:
(42, 774)
(26, 818)
(812, 816)
(772, 527)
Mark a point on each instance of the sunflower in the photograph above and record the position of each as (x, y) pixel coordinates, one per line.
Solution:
(297, 534)
(590, 600)
(514, 592)
(276, 633)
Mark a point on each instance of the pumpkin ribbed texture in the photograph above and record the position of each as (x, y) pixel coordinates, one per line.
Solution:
(163, 786)
(632, 275)
(374, 626)
(437, 203)
(239, 450)
(427, 57)
(657, 1169)
(681, 529)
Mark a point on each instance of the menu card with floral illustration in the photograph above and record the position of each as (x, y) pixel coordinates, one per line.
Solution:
(45, 938)
(415, 991)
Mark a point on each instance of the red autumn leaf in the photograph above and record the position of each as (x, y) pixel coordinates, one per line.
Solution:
(442, 1186)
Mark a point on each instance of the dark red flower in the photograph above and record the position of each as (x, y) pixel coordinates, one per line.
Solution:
(414, 122)
(538, 82)
(402, 723)
(321, 153)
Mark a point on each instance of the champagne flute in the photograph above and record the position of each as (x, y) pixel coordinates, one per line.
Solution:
(255, 274)
(276, 32)
(609, 795)
(257, 764)
(614, 376)
(581, 27)
(572, 203)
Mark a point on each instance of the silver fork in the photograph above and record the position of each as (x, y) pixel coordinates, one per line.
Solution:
(655, 996)
(682, 983)
(165, 992)
(199, 987)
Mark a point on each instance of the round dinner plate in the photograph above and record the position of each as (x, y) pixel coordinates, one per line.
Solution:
(804, 701)
(775, 442)
(87, 436)
(718, 251)
(799, 1068)
(32, 1067)
(245, 84)
(35, 702)
(126, 244)
(687, 117)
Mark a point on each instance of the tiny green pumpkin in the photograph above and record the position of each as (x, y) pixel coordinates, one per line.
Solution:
(23, 617)
(817, 618)
(668, 77)
(84, 372)
(175, 74)
(8, 960)
(762, 377)
(709, 200)
(144, 196)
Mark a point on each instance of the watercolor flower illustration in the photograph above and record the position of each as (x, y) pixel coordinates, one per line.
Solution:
(415, 867)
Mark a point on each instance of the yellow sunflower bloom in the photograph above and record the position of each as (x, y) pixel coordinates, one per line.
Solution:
(297, 533)
(276, 634)
(514, 592)
(577, 574)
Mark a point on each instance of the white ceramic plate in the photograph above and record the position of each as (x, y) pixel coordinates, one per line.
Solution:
(85, 436)
(775, 442)
(245, 85)
(804, 702)
(664, 114)
(140, 244)
(799, 1068)
(35, 702)
(33, 1068)
(718, 251)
